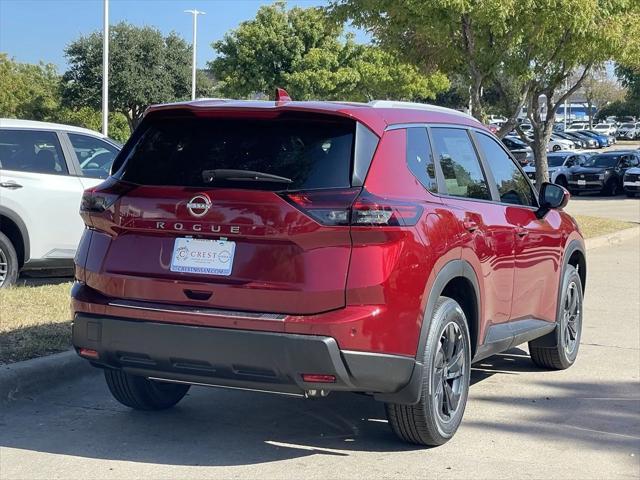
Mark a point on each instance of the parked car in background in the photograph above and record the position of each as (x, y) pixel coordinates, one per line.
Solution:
(628, 131)
(577, 126)
(606, 128)
(604, 139)
(557, 143)
(520, 150)
(578, 142)
(44, 168)
(601, 140)
(559, 164)
(571, 144)
(306, 248)
(603, 172)
(591, 143)
(631, 182)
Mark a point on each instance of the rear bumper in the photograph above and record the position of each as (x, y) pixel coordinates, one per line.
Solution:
(245, 359)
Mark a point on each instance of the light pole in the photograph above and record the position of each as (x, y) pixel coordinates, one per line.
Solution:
(195, 14)
(105, 68)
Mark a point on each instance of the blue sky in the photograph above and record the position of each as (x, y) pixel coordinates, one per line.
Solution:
(34, 30)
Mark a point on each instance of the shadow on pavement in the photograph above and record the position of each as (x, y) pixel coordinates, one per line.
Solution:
(217, 427)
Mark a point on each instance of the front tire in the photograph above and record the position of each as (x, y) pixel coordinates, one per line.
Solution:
(558, 350)
(8, 262)
(611, 188)
(141, 393)
(562, 181)
(445, 383)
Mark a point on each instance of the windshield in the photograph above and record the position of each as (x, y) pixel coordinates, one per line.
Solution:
(555, 160)
(602, 127)
(601, 161)
(313, 152)
(627, 125)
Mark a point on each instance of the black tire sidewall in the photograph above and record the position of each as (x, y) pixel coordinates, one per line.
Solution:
(570, 275)
(12, 260)
(447, 310)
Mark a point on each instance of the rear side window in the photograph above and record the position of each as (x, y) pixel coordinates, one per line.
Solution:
(94, 155)
(460, 165)
(31, 151)
(513, 186)
(419, 158)
(311, 153)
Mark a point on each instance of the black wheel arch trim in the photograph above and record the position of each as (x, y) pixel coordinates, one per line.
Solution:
(410, 393)
(15, 218)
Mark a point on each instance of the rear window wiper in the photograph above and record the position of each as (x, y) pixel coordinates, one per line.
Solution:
(210, 176)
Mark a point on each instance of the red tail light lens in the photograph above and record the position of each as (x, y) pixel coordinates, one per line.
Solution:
(100, 198)
(318, 378)
(375, 211)
(355, 207)
(328, 207)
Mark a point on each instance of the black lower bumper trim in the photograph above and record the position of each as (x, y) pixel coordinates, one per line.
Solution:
(243, 359)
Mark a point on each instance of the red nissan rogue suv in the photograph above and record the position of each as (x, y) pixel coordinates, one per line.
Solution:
(310, 247)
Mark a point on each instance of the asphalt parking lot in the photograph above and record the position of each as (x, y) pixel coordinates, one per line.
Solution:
(520, 422)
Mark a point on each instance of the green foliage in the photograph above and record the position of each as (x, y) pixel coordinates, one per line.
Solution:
(28, 91)
(32, 92)
(145, 68)
(303, 51)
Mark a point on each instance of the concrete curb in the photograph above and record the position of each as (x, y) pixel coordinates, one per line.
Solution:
(612, 239)
(38, 374)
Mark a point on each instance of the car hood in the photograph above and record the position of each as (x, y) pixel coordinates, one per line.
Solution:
(578, 170)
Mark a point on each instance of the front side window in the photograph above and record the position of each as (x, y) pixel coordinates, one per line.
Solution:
(460, 165)
(31, 151)
(419, 158)
(513, 186)
(94, 155)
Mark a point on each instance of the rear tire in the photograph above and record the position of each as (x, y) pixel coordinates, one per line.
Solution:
(8, 262)
(558, 350)
(445, 383)
(141, 393)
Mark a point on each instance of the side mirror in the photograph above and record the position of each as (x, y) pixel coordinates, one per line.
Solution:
(551, 196)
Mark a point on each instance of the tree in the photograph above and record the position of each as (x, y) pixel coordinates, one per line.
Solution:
(303, 51)
(600, 90)
(144, 68)
(470, 40)
(28, 91)
(528, 49)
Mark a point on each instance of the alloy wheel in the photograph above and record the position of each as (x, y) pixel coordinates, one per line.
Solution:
(4, 267)
(449, 372)
(571, 316)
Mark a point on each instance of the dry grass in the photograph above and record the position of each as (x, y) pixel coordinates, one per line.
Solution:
(595, 226)
(34, 321)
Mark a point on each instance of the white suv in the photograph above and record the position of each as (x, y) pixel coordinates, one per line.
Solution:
(559, 164)
(629, 131)
(44, 168)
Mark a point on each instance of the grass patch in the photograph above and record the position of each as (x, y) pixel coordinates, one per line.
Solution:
(34, 321)
(596, 226)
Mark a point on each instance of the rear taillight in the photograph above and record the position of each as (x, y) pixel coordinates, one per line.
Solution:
(355, 207)
(99, 198)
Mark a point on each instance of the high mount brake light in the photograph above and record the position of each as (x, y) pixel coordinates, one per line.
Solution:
(354, 207)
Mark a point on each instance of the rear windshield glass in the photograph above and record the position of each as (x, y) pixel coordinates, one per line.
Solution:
(196, 152)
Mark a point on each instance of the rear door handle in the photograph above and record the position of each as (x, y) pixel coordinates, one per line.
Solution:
(10, 185)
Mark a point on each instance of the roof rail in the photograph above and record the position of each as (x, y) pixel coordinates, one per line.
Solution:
(417, 106)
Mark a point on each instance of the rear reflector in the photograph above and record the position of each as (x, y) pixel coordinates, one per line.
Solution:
(355, 207)
(318, 378)
(88, 353)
